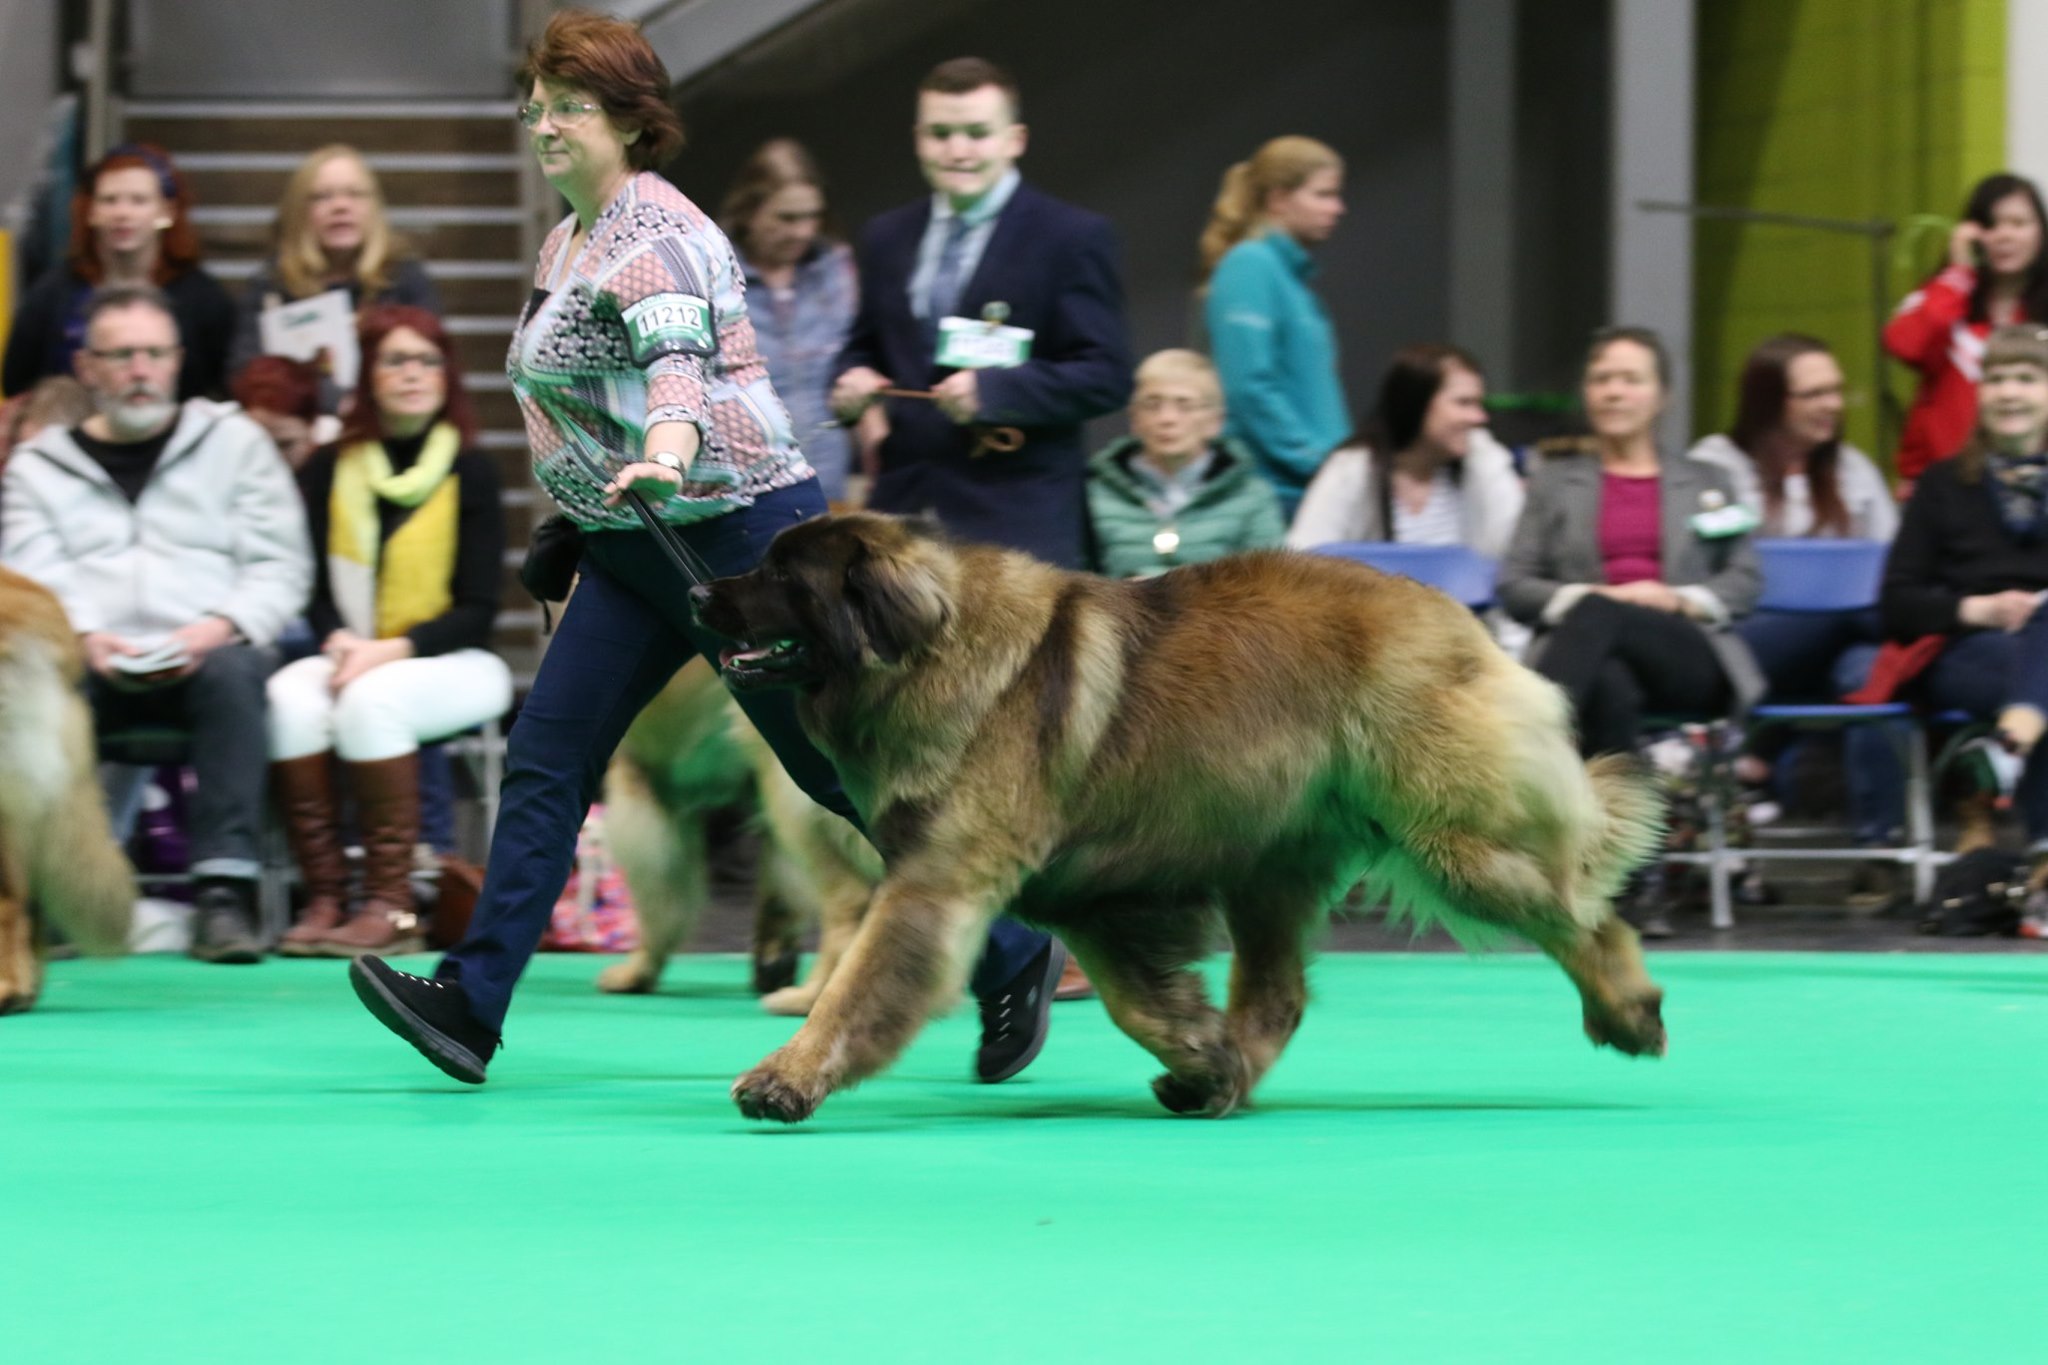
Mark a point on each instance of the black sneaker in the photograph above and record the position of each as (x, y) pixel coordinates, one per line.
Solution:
(1014, 1019)
(224, 922)
(431, 1015)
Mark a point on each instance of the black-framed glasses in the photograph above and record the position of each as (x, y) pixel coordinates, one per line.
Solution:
(121, 355)
(398, 360)
(564, 111)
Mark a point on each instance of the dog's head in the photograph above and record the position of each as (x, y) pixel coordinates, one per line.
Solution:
(831, 598)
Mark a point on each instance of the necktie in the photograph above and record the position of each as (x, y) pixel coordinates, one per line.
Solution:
(945, 291)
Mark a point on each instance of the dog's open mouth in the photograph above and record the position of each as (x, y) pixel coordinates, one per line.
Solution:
(751, 663)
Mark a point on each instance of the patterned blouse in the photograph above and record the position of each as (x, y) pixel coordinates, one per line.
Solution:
(648, 324)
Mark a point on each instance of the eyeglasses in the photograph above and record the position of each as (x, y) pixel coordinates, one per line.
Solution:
(565, 112)
(398, 360)
(122, 355)
(1180, 405)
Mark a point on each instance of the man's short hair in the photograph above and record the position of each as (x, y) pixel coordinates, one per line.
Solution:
(119, 296)
(963, 75)
(1187, 367)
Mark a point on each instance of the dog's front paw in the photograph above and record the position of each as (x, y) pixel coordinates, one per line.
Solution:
(764, 1093)
(1212, 1096)
(1635, 1027)
(16, 1002)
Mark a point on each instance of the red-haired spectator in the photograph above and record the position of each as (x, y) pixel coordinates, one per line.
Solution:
(283, 397)
(409, 542)
(131, 223)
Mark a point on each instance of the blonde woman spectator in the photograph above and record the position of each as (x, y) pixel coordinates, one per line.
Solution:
(1425, 471)
(1176, 490)
(131, 224)
(802, 293)
(332, 233)
(1271, 336)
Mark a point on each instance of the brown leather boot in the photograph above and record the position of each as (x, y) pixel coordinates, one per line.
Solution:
(305, 794)
(387, 796)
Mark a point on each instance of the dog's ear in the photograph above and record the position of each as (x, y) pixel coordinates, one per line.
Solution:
(898, 599)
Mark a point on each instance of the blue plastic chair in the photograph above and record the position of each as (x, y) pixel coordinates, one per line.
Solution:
(1834, 576)
(1820, 575)
(1462, 574)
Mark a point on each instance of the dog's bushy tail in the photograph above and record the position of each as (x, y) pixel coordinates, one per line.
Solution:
(51, 802)
(1632, 830)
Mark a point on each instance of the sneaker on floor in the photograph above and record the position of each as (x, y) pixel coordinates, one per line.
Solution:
(224, 923)
(431, 1015)
(1014, 1019)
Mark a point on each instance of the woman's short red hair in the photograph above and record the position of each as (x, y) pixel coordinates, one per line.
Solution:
(612, 60)
(364, 422)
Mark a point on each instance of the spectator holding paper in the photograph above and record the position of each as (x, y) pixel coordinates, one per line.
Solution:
(332, 235)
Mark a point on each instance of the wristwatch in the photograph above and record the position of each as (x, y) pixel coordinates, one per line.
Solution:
(667, 459)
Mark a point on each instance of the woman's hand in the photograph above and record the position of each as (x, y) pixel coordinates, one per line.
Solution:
(1963, 243)
(654, 482)
(359, 656)
(1647, 592)
(2007, 611)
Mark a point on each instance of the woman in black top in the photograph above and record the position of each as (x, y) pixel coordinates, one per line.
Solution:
(131, 223)
(408, 541)
(1969, 570)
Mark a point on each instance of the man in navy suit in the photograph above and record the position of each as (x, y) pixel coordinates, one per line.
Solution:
(986, 246)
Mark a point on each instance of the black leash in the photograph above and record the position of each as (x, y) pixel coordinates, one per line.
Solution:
(694, 570)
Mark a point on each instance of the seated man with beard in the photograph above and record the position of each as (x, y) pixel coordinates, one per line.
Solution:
(176, 541)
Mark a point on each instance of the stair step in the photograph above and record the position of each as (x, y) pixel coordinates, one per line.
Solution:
(402, 189)
(275, 110)
(190, 135)
(384, 163)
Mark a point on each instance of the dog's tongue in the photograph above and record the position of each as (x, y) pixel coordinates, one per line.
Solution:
(727, 658)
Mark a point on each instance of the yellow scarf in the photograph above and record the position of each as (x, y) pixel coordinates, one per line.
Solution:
(413, 582)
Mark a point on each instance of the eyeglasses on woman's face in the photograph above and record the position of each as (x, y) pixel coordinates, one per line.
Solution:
(399, 360)
(564, 111)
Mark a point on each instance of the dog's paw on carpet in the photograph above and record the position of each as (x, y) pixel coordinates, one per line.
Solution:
(1211, 1094)
(763, 1094)
(1635, 1027)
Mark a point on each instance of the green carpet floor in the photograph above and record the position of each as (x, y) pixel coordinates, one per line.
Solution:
(1844, 1159)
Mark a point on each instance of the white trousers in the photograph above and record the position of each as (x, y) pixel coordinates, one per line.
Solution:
(387, 711)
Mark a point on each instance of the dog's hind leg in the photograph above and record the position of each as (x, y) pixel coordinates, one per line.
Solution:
(1141, 959)
(1473, 878)
(1270, 925)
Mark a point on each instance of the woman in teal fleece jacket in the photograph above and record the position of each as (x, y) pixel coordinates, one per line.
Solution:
(1174, 491)
(1272, 338)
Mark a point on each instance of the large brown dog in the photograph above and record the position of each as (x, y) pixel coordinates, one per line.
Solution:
(1120, 762)
(688, 753)
(55, 847)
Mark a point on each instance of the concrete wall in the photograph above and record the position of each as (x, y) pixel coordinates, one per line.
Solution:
(29, 63)
(1853, 109)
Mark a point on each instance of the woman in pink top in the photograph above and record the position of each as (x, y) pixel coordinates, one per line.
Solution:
(1631, 566)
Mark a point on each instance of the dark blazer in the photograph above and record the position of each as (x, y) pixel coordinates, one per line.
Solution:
(1557, 545)
(1056, 268)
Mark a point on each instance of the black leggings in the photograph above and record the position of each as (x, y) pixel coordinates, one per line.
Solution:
(1618, 661)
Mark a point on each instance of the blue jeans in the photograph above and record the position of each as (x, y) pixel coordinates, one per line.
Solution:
(1985, 671)
(625, 633)
(1811, 656)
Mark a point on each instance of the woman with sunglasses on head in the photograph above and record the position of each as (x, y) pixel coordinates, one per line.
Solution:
(331, 233)
(636, 370)
(409, 547)
(131, 223)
